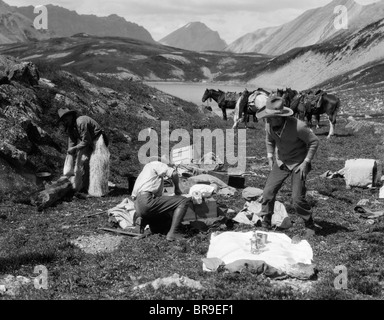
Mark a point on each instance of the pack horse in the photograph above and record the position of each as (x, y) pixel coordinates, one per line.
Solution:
(248, 104)
(224, 100)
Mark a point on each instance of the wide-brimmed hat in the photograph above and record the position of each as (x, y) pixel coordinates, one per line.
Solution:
(64, 111)
(274, 108)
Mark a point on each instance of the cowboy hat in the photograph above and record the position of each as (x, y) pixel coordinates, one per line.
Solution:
(64, 111)
(274, 108)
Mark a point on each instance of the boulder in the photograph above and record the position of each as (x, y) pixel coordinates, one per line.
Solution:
(24, 72)
(12, 154)
(3, 79)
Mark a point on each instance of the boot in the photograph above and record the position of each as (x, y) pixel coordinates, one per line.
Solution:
(174, 232)
(311, 228)
(267, 221)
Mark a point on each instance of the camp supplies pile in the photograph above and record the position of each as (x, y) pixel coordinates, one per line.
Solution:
(251, 213)
(198, 192)
(280, 257)
(364, 173)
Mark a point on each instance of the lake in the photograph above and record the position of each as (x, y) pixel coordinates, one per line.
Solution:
(193, 91)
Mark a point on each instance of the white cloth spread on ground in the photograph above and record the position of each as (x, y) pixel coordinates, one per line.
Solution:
(279, 253)
(124, 213)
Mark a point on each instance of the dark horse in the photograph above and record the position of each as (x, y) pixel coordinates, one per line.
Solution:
(324, 103)
(293, 100)
(221, 98)
(307, 104)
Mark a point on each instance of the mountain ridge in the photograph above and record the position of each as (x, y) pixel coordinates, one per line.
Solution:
(195, 36)
(15, 27)
(64, 23)
(311, 27)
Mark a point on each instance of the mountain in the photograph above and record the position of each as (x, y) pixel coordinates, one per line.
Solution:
(65, 23)
(306, 67)
(312, 27)
(195, 36)
(126, 58)
(251, 42)
(14, 27)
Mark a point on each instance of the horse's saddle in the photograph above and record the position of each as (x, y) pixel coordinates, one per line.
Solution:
(232, 96)
(312, 99)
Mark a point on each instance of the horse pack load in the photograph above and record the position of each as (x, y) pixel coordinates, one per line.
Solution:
(232, 96)
(248, 104)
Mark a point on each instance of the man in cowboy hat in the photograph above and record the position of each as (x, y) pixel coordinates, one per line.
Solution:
(294, 146)
(87, 155)
(162, 213)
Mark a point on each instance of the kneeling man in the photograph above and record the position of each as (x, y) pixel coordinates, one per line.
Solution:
(152, 206)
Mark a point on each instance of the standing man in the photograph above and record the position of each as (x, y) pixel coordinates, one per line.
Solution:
(294, 146)
(162, 213)
(87, 154)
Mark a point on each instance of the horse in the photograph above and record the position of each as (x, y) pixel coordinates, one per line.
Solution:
(295, 101)
(248, 104)
(323, 102)
(221, 98)
(261, 90)
(241, 105)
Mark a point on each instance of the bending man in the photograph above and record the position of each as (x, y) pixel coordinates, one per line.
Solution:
(87, 154)
(294, 146)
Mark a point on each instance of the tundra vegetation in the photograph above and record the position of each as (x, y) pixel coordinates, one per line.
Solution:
(29, 238)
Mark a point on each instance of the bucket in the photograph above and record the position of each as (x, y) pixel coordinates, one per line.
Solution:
(42, 177)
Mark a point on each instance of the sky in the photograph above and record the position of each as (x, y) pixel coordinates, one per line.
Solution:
(232, 19)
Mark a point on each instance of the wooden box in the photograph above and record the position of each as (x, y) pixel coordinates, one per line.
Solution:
(235, 181)
(207, 209)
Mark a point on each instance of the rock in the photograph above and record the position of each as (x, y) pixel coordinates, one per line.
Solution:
(149, 107)
(37, 135)
(129, 139)
(46, 83)
(24, 72)
(10, 285)
(3, 79)
(12, 154)
(144, 114)
(64, 100)
(113, 104)
(180, 281)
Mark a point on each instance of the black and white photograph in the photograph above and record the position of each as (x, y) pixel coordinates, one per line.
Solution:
(192, 157)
